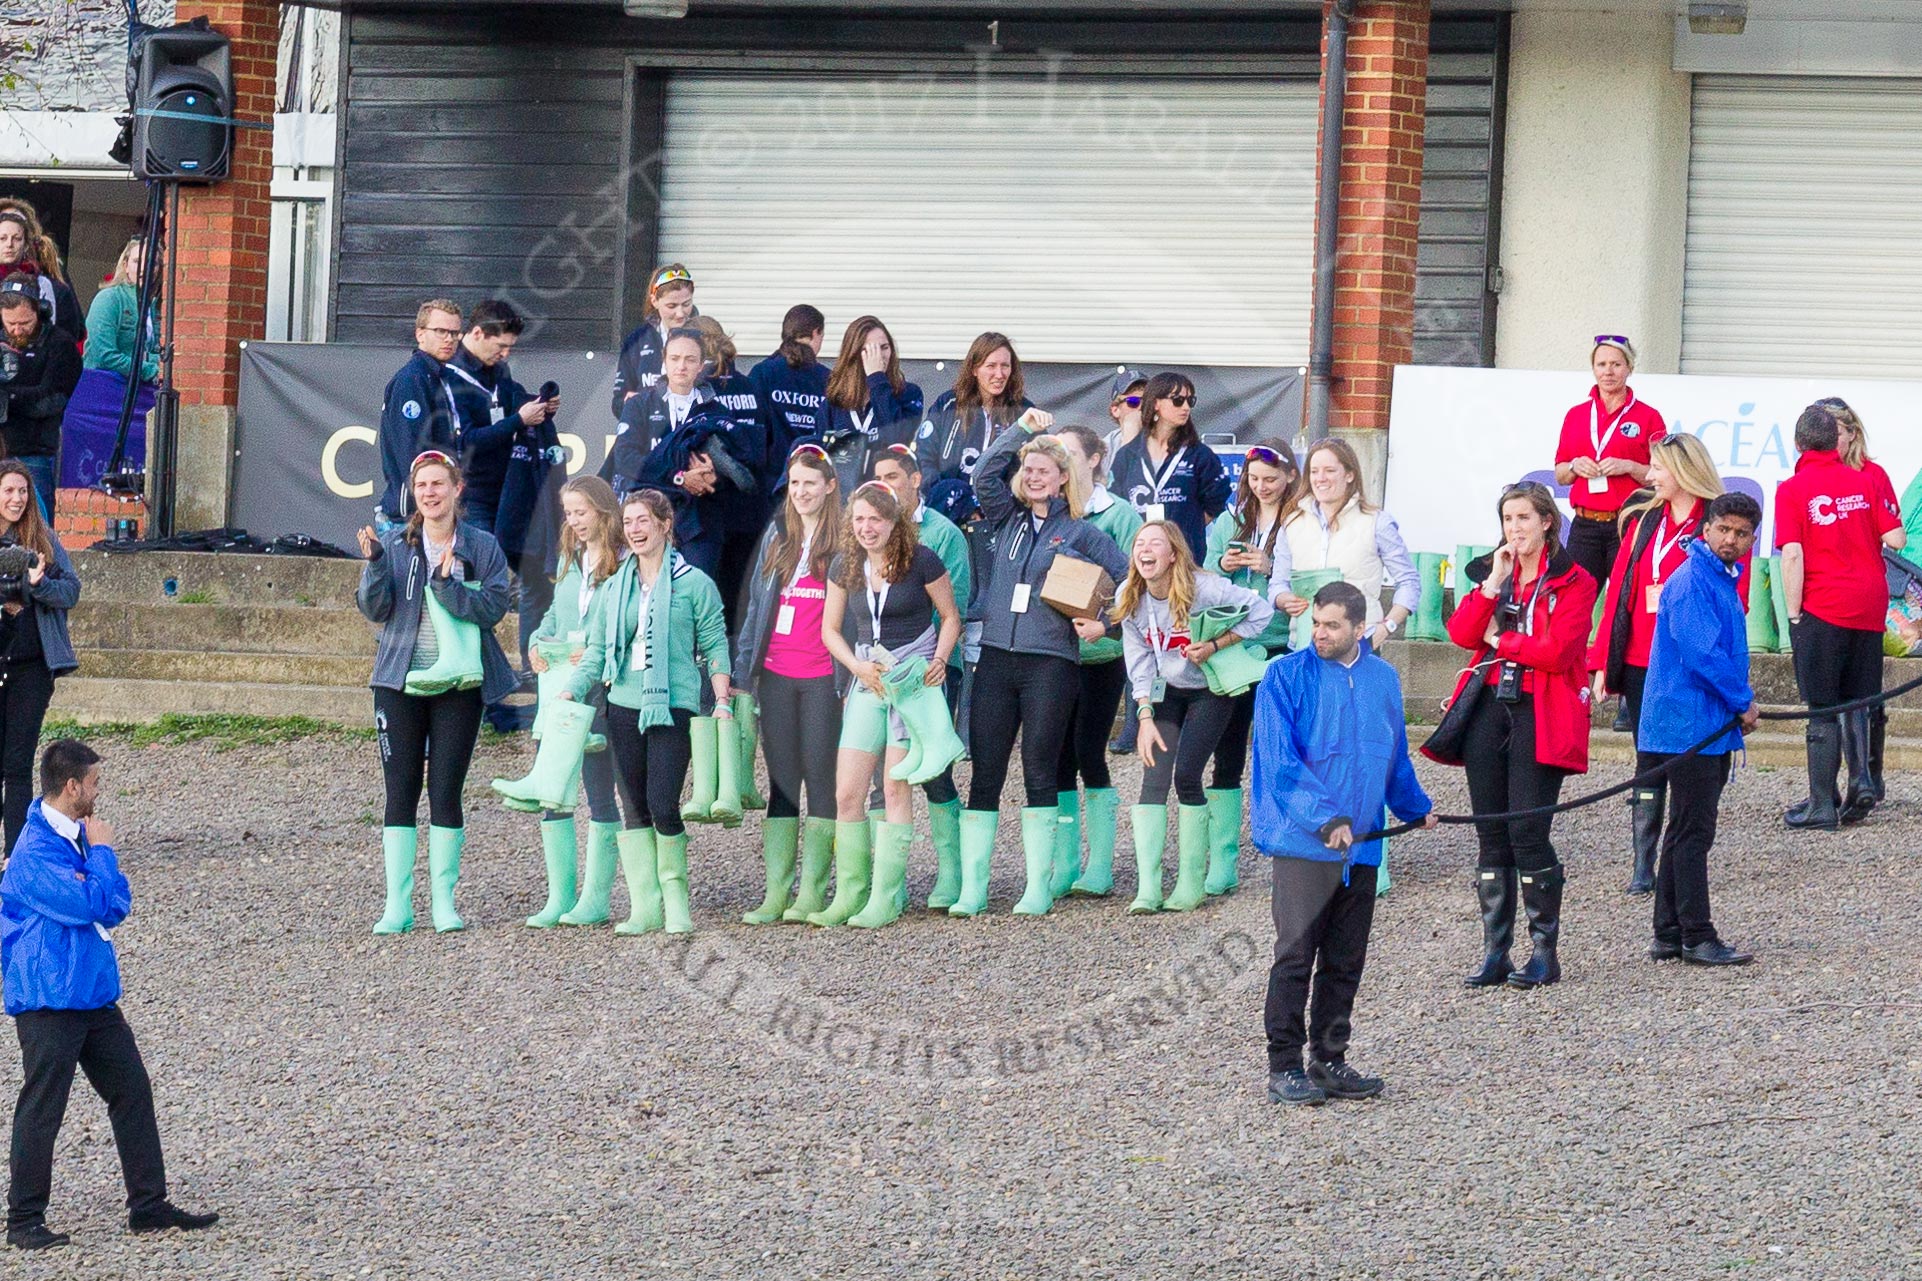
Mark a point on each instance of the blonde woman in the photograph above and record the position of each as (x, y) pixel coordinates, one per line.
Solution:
(1332, 526)
(1182, 720)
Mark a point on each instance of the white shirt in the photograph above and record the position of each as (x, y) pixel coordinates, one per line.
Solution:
(68, 828)
(677, 407)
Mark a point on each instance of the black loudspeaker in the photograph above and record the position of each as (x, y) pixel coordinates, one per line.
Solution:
(183, 106)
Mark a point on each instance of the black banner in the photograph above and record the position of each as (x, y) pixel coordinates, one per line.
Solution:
(307, 461)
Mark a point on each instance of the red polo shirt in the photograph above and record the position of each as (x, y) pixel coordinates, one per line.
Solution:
(1838, 515)
(1635, 426)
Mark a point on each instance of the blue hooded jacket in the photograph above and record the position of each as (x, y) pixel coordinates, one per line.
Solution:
(1698, 663)
(51, 901)
(1330, 747)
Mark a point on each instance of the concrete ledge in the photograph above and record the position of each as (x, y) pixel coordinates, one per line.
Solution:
(95, 699)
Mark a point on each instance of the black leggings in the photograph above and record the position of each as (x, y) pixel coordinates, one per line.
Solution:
(1504, 775)
(1027, 694)
(800, 732)
(1231, 754)
(652, 765)
(437, 732)
(1084, 752)
(25, 690)
(1592, 544)
(1190, 722)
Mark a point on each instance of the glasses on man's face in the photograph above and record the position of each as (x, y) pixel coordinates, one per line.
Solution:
(1182, 402)
(438, 332)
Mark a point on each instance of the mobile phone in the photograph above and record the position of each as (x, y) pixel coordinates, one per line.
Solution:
(1237, 546)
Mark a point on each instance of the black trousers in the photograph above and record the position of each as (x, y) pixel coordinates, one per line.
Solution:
(25, 690)
(99, 1042)
(1231, 754)
(1681, 879)
(1321, 929)
(1592, 544)
(1504, 775)
(1030, 695)
(1835, 664)
(800, 731)
(653, 766)
(435, 734)
(1190, 722)
(1084, 753)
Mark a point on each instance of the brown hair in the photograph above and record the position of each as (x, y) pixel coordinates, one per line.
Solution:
(848, 384)
(30, 531)
(654, 287)
(40, 246)
(432, 458)
(1159, 388)
(1538, 496)
(897, 556)
(1091, 444)
(967, 385)
(1345, 455)
(433, 305)
(717, 349)
(1181, 578)
(801, 323)
(785, 551)
(1248, 510)
(606, 541)
(658, 505)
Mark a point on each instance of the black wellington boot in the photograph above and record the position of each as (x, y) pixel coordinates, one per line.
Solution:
(1495, 888)
(1878, 739)
(1825, 758)
(1542, 896)
(1646, 811)
(1857, 768)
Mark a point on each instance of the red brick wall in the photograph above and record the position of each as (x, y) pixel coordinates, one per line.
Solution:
(1380, 207)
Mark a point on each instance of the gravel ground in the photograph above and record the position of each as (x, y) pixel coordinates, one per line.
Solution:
(1075, 1096)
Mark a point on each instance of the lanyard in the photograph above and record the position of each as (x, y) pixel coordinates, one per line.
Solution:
(494, 396)
(800, 567)
(1526, 624)
(861, 424)
(587, 590)
(1167, 469)
(1596, 436)
(1664, 547)
(1161, 639)
(876, 601)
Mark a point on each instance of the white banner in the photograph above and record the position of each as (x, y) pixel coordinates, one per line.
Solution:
(1457, 436)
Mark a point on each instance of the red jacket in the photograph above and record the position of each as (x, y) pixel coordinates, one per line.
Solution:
(1554, 656)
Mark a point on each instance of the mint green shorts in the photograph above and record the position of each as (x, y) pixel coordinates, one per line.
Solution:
(864, 723)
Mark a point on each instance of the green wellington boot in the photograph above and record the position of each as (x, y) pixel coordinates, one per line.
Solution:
(932, 743)
(1428, 623)
(944, 826)
(1037, 851)
(670, 860)
(557, 850)
(1778, 594)
(780, 840)
(549, 684)
(1762, 638)
(555, 780)
(703, 767)
(977, 856)
(603, 848)
(643, 876)
(1065, 868)
(1099, 807)
(1191, 859)
(398, 848)
(817, 862)
(890, 875)
(748, 717)
(726, 808)
(853, 857)
(443, 869)
(1224, 840)
(458, 665)
(1151, 839)
(1382, 882)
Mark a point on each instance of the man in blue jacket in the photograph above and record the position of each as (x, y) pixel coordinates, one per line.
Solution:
(1698, 681)
(417, 410)
(62, 892)
(1330, 750)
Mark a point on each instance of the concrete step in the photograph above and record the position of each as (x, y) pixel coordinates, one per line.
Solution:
(161, 577)
(93, 699)
(245, 629)
(350, 671)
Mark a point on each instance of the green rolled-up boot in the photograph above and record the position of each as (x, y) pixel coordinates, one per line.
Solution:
(1224, 840)
(1305, 583)
(748, 717)
(1191, 859)
(704, 767)
(1429, 623)
(726, 806)
(555, 779)
(1037, 850)
(549, 684)
(932, 743)
(853, 858)
(399, 846)
(1464, 553)
(643, 875)
(1151, 839)
(1382, 883)
(1778, 593)
(458, 665)
(1066, 865)
(557, 850)
(1762, 636)
(944, 827)
(603, 850)
(817, 863)
(444, 846)
(670, 862)
(1100, 806)
(780, 842)
(890, 877)
(977, 858)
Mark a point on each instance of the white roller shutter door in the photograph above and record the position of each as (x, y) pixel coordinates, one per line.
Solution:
(1091, 220)
(1804, 228)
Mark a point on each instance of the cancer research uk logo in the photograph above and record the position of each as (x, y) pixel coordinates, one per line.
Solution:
(1824, 510)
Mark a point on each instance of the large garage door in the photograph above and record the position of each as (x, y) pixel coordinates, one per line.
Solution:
(1091, 219)
(1804, 228)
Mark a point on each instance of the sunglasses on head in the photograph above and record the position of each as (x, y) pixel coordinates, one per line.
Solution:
(431, 456)
(671, 276)
(875, 485)
(1834, 404)
(1182, 400)
(808, 450)
(1263, 454)
(1613, 340)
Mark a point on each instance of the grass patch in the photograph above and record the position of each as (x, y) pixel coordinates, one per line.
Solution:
(224, 732)
(198, 596)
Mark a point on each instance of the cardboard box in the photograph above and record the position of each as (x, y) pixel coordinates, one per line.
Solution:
(1077, 588)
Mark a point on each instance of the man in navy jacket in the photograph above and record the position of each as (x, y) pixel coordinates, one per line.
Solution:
(417, 409)
(1330, 751)
(1698, 682)
(62, 892)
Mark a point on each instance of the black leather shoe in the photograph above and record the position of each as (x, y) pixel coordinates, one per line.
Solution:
(1715, 952)
(1339, 1081)
(1664, 950)
(35, 1236)
(1293, 1087)
(168, 1215)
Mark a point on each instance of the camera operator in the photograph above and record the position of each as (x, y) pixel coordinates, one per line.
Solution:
(39, 368)
(37, 588)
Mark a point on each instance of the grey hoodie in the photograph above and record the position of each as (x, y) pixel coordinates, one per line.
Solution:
(393, 584)
(1210, 591)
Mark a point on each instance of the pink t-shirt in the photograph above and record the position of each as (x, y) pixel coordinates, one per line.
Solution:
(797, 653)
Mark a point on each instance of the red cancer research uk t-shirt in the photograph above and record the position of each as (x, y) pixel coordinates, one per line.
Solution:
(1635, 426)
(796, 652)
(1838, 516)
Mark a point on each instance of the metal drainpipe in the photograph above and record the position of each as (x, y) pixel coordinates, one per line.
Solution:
(1321, 359)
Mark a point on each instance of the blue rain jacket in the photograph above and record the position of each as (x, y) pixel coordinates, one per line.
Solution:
(51, 901)
(1698, 662)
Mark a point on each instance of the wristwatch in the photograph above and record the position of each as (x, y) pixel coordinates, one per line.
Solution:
(1390, 626)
